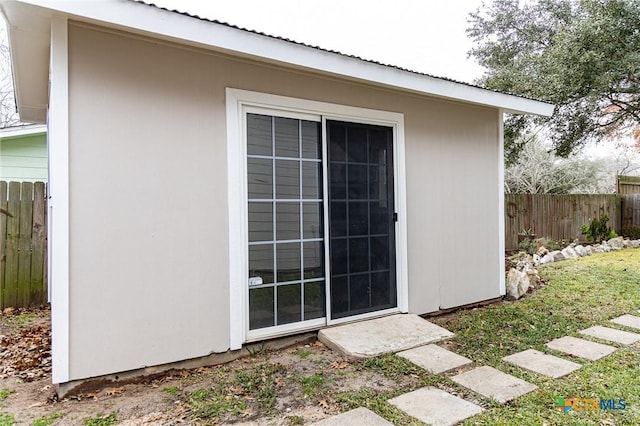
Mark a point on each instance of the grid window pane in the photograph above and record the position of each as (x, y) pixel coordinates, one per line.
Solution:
(287, 179)
(312, 220)
(289, 303)
(260, 222)
(260, 178)
(261, 262)
(311, 142)
(311, 180)
(287, 137)
(287, 221)
(314, 300)
(261, 307)
(259, 136)
(312, 259)
(288, 262)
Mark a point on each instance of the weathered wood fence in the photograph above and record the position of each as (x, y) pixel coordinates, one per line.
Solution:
(628, 184)
(630, 211)
(557, 216)
(23, 236)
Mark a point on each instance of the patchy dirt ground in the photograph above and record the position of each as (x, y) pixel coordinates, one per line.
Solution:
(297, 385)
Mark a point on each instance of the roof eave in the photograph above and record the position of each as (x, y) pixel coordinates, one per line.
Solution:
(31, 63)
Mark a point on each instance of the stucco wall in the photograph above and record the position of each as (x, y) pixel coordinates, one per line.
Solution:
(149, 239)
(24, 158)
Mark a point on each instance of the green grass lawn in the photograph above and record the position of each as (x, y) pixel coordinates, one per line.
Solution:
(579, 293)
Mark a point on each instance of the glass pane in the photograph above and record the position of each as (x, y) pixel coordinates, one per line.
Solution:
(260, 177)
(312, 260)
(289, 304)
(261, 262)
(260, 222)
(311, 180)
(314, 300)
(339, 296)
(359, 291)
(287, 137)
(287, 179)
(381, 289)
(337, 143)
(259, 137)
(378, 183)
(338, 257)
(379, 253)
(338, 185)
(312, 220)
(357, 145)
(261, 308)
(358, 255)
(358, 183)
(288, 261)
(358, 218)
(311, 142)
(287, 221)
(338, 219)
(379, 218)
(378, 145)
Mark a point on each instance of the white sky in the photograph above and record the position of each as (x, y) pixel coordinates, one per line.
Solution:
(422, 35)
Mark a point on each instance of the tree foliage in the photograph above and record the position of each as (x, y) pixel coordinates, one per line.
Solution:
(581, 55)
(8, 114)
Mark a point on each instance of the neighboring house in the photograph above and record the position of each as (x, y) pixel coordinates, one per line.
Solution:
(23, 153)
(212, 186)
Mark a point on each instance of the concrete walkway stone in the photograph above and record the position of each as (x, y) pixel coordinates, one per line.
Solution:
(611, 334)
(541, 363)
(380, 336)
(435, 407)
(492, 383)
(434, 359)
(628, 321)
(359, 416)
(581, 348)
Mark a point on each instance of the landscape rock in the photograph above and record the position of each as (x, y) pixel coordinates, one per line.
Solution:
(616, 243)
(557, 256)
(547, 258)
(536, 259)
(518, 283)
(569, 253)
(598, 249)
(581, 250)
(626, 243)
(589, 250)
(635, 243)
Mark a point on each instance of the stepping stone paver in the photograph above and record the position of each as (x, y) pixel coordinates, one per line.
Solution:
(380, 336)
(434, 359)
(435, 407)
(581, 348)
(541, 363)
(492, 383)
(628, 321)
(359, 416)
(611, 334)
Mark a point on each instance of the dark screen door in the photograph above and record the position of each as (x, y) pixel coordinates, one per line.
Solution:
(361, 219)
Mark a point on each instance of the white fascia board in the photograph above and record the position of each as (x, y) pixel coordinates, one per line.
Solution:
(12, 132)
(151, 21)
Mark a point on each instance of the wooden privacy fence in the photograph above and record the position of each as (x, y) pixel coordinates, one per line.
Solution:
(23, 235)
(557, 216)
(630, 211)
(628, 184)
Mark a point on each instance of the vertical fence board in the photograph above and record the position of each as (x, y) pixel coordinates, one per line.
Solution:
(24, 243)
(38, 294)
(13, 230)
(3, 235)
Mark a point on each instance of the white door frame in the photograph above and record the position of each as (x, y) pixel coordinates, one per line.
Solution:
(237, 101)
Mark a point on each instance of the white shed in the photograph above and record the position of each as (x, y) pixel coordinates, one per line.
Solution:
(212, 186)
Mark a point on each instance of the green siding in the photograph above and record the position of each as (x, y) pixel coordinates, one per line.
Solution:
(24, 158)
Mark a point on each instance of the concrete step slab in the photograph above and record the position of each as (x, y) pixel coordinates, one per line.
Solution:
(359, 416)
(611, 334)
(435, 359)
(435, 407)
(627, 320)
(541, 363)
(492, 383)
(581, 348)
(380, 336)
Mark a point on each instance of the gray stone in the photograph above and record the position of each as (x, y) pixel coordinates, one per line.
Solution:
(605, 246)
(359, 416)
(517, 284)
(569, 253)
(611, 334)
(581, 250)
(626, 243)
(616, 243)
(598, 249)
(581, 348)
(492, 383)
(382, 335)
(435, 359)
(541, 363)
(435, 407)
(635, 243)
(589, 250)
(547, 258)
(628, 321)
(557, 256)
(536, 259)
